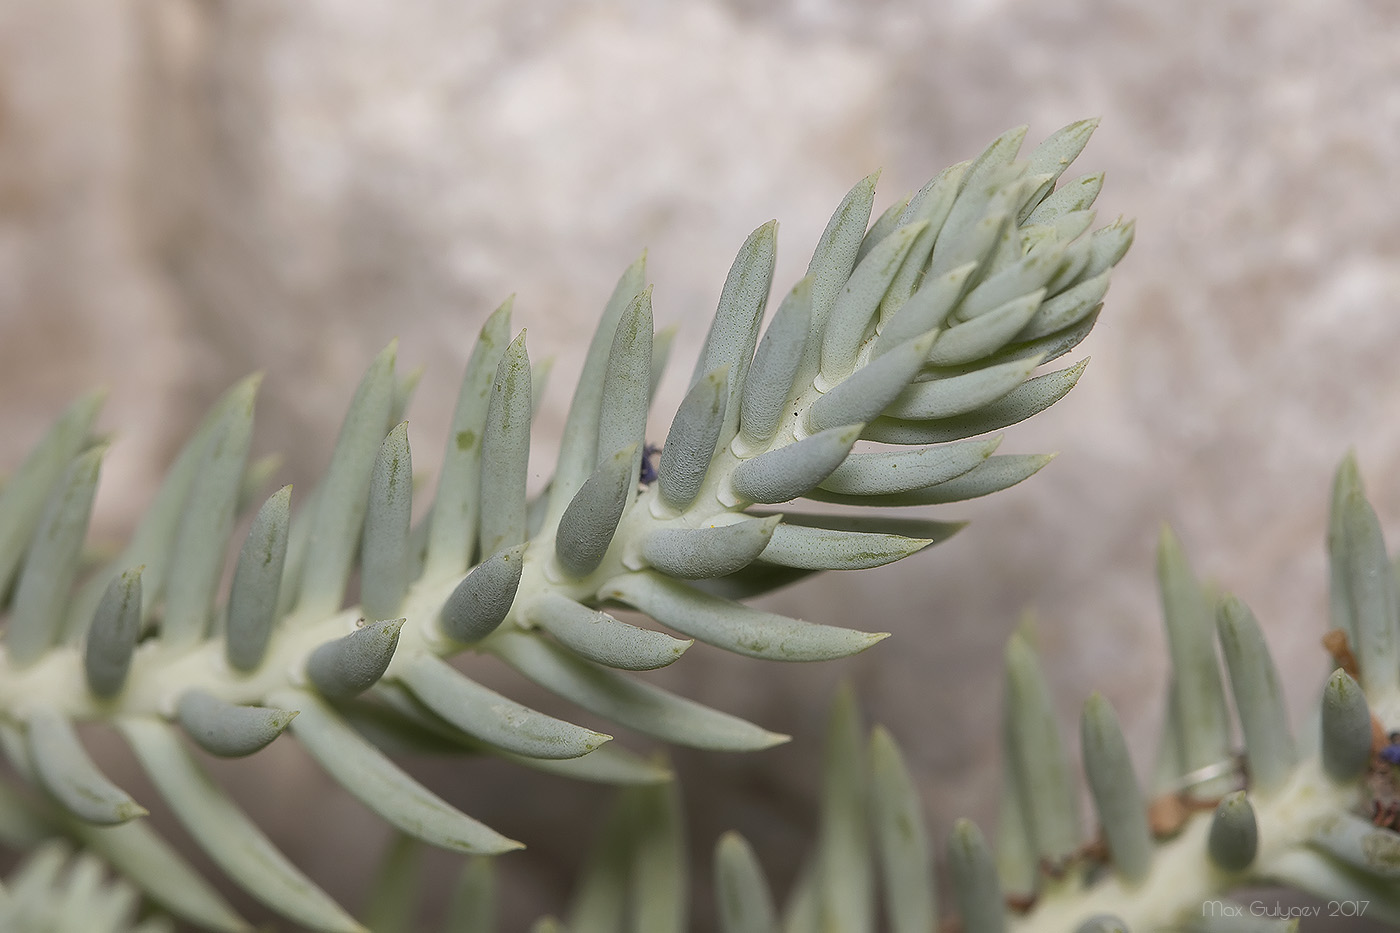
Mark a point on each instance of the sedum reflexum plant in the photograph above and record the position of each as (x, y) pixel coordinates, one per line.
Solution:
(921, 333)
(1318, 813)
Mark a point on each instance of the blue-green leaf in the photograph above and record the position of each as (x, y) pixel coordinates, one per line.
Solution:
(257, 583)
(225, 833)
(733, 626)
(489, 717)
(228, 729)
(452, 532)
(628, 701)
(599, 637)
(66, 771)
(380, 784)
(111, 639)
(52, 562)
(505, 452)
(384, 552)
(333, 535)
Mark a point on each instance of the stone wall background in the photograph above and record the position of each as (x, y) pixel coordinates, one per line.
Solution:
(194, 189)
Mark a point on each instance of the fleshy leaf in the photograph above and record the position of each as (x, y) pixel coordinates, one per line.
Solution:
(486, 715)
(732, 626)
(225, 833)
(599, 637)
(68, 773)
(628, 701)
(257, 581)
(111, 639)
(227, 729)
(505, 452)
(333, 535)
(384, 560)
(452, 533)
(380, 784)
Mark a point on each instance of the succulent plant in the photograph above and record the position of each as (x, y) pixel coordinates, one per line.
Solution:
(1318, 813)
(920, 333)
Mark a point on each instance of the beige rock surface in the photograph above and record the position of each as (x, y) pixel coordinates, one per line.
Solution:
(193, 190)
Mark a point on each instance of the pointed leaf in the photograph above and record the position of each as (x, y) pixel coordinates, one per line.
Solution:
(342, 497)
(788, 472)
(1107, 246)
(1234, 833)
(629, 702)
(690, 445)
(1067, 308)
(901, 841)
(1198, 696)
(344, 667)
(225, 833)
(827, 549)
(743, 901)
(775, 365)
(1076, 195)
(380, 784)
(976, 887)
(578, 447)
(52, 562)
(1259, 699)
(836, 252)
(732, 626)
(870, 389)
(116, 625)
(257, 582)
(707, 551)
(622, 422)
(599, 637)
(24, 494)
(958, 395)
(1346, 728)
(1368, 584)
(66, 771)
(384, 553)
(927, 308)
(931, 205)
(884, 225)
(452, 532)
(491, 718)
(1056, 153)
(852, 315)
(899, 471)
(1049, 797)
(505, 452)
(734, 330)
(1114, 787)
(1022, 402)
(483, 599)
(993, 475)
(228, 729)
(587, 526)
(1021, 277)
(998, 154)
(985, 334)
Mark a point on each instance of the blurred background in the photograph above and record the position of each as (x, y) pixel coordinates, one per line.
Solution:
(194, 189)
